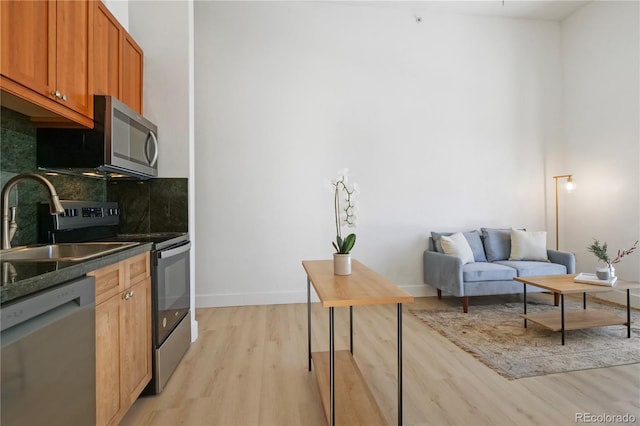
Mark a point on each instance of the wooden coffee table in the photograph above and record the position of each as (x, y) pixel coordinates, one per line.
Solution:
(574, 319)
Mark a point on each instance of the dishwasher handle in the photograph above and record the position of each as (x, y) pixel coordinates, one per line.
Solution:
(82, 292)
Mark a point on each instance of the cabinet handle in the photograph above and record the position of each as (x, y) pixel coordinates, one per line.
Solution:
(58, 95)
(128, 295)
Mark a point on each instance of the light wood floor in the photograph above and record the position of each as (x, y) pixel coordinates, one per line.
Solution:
(249, 367)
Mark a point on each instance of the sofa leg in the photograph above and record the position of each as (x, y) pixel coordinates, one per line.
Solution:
(556, 299)
(465, 304)
(439, 293)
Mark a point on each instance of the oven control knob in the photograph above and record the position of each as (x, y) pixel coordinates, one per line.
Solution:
(164, 322)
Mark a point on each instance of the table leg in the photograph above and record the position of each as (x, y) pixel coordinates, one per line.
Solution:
(309, 320)
(524, 295)
(628, 315)
(399, 363)
(562, 316)
(351, 328)
(332, 371)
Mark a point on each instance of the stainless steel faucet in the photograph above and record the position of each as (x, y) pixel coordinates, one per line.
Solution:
(54, 203)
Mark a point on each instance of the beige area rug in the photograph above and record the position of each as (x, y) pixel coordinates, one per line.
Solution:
(495, 335)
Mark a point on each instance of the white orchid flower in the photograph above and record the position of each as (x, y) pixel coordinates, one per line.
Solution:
(345, 208)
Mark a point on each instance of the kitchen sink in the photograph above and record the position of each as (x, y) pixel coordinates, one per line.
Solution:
(63, 252)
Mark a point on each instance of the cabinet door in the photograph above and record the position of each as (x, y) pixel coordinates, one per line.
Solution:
(132, 74)
(74, 41)
(107, 48)
(136, 268)
(28, 44)
(135, 344)
(108, 331)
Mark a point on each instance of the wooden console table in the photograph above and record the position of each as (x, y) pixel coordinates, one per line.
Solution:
(362, 287)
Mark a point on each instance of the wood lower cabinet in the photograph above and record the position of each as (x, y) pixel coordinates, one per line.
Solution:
(118, 60)
(123, 336)
(46, 55)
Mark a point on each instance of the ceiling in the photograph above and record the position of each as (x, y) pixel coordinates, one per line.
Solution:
(555, 10)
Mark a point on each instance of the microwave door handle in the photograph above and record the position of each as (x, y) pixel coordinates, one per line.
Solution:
(152, 162)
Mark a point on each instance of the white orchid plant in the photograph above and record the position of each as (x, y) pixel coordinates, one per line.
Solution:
(345, 209)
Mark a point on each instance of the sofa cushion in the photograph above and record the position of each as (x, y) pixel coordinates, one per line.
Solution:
(497, 243)
(484, 271)
(473, 238)
(457, 245)
(527, 268)
(528, 245)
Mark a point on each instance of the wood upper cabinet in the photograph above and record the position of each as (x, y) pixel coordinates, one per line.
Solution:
(132, 72)
(123, 336)
(118, 60)
(29, 44)
(107, 52)
(46, 56)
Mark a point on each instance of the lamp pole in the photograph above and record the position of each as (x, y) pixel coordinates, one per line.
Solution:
(569, 188)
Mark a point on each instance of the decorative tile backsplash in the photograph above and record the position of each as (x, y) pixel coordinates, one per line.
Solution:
(18, 155)
(157, 205)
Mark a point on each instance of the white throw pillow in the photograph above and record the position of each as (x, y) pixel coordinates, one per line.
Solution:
(528, 245)
(457, 245)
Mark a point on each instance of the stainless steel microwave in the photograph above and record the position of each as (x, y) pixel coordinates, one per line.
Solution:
(121, 144)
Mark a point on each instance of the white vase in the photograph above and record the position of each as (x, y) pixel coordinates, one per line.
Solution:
(341, 264)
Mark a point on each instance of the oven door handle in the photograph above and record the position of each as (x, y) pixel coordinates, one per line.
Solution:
(164, 254)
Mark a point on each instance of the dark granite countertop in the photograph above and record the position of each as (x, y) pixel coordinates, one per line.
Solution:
(31, 277)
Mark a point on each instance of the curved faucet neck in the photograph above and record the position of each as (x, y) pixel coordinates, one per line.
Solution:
(54, 201)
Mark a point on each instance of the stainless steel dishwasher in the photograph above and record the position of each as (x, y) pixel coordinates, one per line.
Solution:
(48, 357)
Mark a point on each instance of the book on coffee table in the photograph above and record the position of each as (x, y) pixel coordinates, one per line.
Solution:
(586, 278)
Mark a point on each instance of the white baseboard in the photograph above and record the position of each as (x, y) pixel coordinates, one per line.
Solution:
(194, 328)
(280, 298)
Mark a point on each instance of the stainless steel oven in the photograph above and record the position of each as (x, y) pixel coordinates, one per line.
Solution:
(171, 308)
(171, 272)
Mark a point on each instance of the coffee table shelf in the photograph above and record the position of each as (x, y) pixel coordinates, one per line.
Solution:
(574, 319)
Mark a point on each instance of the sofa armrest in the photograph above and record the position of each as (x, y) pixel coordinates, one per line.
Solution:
(443, 271)
(563, 258)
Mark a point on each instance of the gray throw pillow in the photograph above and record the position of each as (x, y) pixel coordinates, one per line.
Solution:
(473, 238)
(497, 243)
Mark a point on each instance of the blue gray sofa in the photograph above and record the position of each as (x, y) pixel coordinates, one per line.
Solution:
(491, 272)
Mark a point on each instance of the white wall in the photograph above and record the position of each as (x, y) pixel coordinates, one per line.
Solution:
(119, 9)
(162, 29)
(601, 62)
(443, 123)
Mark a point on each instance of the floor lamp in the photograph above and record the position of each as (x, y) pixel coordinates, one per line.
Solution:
(570, 185)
